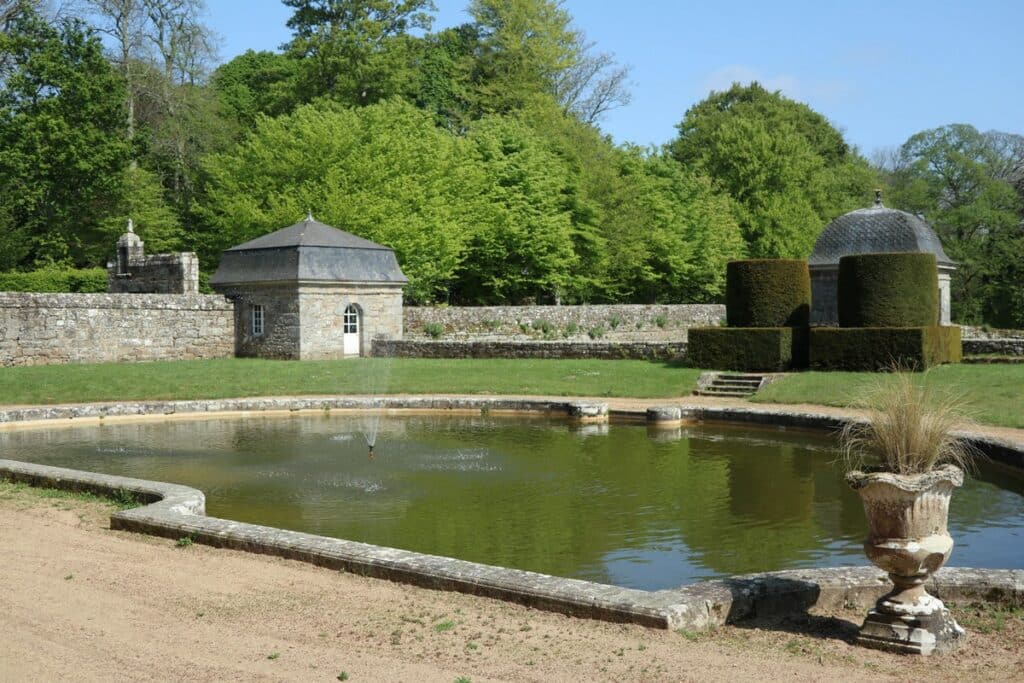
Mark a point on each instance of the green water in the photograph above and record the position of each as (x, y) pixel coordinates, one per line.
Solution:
(617, 504)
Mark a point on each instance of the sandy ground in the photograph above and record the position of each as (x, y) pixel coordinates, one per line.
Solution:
(79, 601)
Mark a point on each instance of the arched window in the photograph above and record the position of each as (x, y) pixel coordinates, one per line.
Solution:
(351, 320)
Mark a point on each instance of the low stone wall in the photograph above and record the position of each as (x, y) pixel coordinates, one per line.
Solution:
(626, 322)
(1003, 346)
(46, 329)
(530, 349)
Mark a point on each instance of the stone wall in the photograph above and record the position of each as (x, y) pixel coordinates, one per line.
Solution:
(158, 274)
(45, 329)
(281, 323)
(530, 349)
(641, 323)
(323, 308)
(1007, 346)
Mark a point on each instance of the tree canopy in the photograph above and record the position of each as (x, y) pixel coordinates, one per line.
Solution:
(475, 151)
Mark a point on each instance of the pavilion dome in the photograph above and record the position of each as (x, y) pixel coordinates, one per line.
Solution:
(876, 229)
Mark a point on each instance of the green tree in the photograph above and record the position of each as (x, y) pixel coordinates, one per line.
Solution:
(357, 51)
(64, 147)
(384, 172)
(142, 201)
(788, 169)
(522, 246)
(255, 83)
(959, 179)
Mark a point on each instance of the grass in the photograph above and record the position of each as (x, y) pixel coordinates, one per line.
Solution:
(994, 394)
(121, 499)
(240, 377)
(910, 426)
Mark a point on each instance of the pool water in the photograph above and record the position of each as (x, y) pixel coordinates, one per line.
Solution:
(619, 504)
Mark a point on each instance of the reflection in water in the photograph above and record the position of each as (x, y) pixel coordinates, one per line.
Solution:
(620, 504)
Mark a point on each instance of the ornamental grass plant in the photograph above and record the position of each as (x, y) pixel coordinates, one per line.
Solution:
(909, 427)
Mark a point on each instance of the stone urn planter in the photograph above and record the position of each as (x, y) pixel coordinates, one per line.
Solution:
(908, 539)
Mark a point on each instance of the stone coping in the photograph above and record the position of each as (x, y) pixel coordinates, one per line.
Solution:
(175, 511)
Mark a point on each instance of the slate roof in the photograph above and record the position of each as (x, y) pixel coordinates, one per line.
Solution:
(877, 229)
(308, 251)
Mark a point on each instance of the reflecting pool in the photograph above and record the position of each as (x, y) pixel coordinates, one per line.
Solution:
(619, 504)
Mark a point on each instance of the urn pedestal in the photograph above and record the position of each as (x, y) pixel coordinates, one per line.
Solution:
(907, 516)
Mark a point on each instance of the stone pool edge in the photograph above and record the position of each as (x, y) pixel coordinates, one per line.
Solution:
(176, 511)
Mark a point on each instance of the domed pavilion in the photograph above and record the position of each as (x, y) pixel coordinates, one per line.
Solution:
(311, 292)
(876, 229)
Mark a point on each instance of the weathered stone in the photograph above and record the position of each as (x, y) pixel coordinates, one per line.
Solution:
(664, 416)
(97, 328)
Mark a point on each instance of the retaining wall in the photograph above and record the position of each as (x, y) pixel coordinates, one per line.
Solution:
(48, 329)
(625, 322)
(529, 349)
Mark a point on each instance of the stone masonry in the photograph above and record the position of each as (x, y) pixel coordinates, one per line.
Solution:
(608, 323)
(44, 329)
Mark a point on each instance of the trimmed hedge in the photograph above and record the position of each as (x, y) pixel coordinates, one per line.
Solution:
(880, 348)
(749, 349)
(888, 290)
(767, 293)
(55, 280)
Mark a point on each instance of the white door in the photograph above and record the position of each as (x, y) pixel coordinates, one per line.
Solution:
(350, 334)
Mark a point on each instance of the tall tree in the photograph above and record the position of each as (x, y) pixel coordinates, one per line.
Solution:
(384, 172)
(960, 179)
(529, 49)
(356, 51)
(64, 149)
(789, 169)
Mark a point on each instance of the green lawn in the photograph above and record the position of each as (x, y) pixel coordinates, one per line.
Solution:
(994, 392)
(249, 377)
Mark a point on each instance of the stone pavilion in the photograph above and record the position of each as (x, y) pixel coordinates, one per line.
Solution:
(311, 292)
(876, 229)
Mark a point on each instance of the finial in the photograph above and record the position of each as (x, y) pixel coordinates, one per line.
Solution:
(878, 197)
(131, 226)
(309, 215)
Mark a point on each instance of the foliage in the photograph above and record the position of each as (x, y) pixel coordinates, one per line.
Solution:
(748, 349)
(768, 293)
(962, 180)
(522, 250)
(888, 290)
(879, 348)
(55, 279)
(143, 202)
(383, 172)
(255, 83)
(909, 426)
(61, 132)
(356, 51)
(434, 330)
(789, 170)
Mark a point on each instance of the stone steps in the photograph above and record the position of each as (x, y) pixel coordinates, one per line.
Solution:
(729, 384)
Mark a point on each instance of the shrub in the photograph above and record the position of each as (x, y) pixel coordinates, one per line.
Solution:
(660, 320)
(749, 349)
(614, 322)
(55, 279)
(435, 330)
(492, 325)
(570, 330)
(768, 293)
(543, 326)
(888, 290)
(881, 348)
(596, 332)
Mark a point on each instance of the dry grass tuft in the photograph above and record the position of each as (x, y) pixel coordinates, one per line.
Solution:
(909, 426)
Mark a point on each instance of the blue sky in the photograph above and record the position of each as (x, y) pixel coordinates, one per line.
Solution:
(880, 71)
